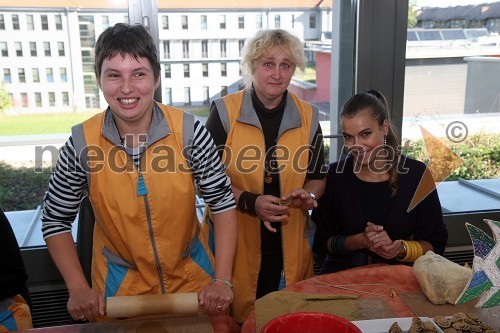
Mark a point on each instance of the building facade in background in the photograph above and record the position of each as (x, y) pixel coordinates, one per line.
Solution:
(46, 49)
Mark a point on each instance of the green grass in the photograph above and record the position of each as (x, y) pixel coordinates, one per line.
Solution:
(41, 123)
(200, 111)
(55, 123)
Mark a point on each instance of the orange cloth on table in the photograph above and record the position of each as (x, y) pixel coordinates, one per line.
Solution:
(398, 277)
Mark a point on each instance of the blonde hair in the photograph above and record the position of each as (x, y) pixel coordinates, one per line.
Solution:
(261, 44)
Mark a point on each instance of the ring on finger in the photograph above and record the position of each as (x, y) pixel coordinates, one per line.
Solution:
(81, 317)
(219, 307)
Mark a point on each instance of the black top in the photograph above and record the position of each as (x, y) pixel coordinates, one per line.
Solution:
(13, 276)
(375, 200)
(348, 204)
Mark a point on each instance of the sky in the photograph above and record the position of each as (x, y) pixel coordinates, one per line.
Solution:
(447, 3)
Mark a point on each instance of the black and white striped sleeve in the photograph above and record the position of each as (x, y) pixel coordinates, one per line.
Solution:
(209, 173)
(62, 200)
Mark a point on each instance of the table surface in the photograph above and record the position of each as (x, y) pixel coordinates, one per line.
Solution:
(409, 301)
(400, 278)
(153, 324)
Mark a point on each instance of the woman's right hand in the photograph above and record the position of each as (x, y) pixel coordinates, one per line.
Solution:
(86, 304)
(375, 237)
(269, 210)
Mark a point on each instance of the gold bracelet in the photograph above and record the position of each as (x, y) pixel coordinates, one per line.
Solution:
(413, 251)
(408, 251)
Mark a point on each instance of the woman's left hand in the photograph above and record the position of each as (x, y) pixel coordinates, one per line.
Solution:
(216, 298)
(299, 198)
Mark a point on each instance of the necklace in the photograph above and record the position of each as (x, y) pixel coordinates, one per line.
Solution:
(271, 168)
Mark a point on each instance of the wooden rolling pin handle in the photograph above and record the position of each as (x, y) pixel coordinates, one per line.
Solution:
(147, 305)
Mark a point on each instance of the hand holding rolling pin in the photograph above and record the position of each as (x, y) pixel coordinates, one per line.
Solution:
(216, 297)
(85, 304)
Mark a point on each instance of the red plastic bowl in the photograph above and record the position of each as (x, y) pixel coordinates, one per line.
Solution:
(309, 322)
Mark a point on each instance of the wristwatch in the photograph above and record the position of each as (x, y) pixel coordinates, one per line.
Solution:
(312, 196)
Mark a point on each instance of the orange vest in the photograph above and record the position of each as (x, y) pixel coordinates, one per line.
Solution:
(146, 238)
(244, 140)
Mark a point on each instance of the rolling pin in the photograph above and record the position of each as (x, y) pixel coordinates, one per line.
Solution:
(146, 305)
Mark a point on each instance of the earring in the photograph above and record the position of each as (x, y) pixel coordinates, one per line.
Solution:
(385, 140)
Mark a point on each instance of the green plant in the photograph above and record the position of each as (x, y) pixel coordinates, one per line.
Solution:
(412, 14)
(22, 188)
(480, 155)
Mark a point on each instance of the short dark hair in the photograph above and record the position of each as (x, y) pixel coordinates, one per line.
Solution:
(126, 39)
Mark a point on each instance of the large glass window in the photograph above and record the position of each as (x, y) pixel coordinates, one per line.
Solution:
(451, 91)
(437, 90)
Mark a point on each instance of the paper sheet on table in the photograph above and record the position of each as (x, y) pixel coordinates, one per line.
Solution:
(349, 307)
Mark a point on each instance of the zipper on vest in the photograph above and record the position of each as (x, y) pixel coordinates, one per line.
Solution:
(141, 186)
(142, 190)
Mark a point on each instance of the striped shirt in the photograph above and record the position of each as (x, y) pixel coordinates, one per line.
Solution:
(62, 200)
